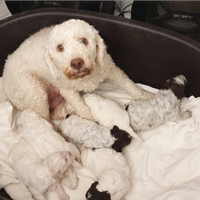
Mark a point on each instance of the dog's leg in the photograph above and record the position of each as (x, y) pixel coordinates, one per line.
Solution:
(30, 93)
(119, 78)
(76, 101)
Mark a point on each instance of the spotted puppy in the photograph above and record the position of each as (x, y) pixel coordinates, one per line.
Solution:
(88, 133)
(111, 171)
(165, 106)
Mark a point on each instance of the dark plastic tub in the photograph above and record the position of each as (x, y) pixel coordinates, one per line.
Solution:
(148, 54)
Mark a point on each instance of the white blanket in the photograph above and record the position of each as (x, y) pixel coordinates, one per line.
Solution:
(165, 167)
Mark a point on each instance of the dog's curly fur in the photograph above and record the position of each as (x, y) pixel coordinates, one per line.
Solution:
(165, 106)
(71, 57)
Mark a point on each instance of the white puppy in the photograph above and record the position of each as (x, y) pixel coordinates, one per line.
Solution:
(41, 135)
(109, 113)
(70, 57)
(37, 174)
(85, 132)
(111, 171)
(165, 106)
(45, 141)
(89, 134)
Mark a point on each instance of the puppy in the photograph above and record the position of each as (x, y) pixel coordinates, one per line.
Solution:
(111, 171)
(45, 141)
(165, 106)
(71, 57)
(108, 113)
(122, 139)
(37, 174)
(89, 134)
(41, 135)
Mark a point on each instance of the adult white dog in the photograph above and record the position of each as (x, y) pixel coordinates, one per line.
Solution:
(57, 63)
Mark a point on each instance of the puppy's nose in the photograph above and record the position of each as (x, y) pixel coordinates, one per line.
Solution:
(77, 63)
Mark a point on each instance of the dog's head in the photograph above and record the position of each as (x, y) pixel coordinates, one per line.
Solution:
(122, 139)
(74, 49)
(94, 194)
(177, 85)
(58, 163)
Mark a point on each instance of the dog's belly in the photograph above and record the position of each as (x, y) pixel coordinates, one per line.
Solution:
(54, 97)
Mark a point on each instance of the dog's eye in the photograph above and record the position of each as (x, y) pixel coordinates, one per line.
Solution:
(60, 48)
(84, 41)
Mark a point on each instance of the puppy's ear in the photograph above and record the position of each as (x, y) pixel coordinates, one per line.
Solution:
(117, 146)
(115, 128)
(49, 61)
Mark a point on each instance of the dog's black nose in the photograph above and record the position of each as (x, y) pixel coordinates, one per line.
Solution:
(77, 63)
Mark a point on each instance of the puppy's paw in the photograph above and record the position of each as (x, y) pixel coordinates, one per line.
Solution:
(74, 151)
(187, 114)
(70, 179)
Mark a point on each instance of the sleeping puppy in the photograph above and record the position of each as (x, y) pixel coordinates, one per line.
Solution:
(40, 175)
(109, 113)
(165, 106)
(111, 171)
(45, 141)
(70, 56)
(89, 134)
(109, 167)
(41, 135)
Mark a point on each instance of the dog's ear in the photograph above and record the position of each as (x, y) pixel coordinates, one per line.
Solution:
(100, 48)
(103, 59)
(49, 61)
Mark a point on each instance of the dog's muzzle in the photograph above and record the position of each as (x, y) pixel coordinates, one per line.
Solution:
(78, 69)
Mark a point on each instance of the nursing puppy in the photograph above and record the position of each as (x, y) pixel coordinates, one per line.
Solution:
(89, 134)
(109, 113)
(71, 57)
(45, 141)
(41, 135)
(165, 106)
